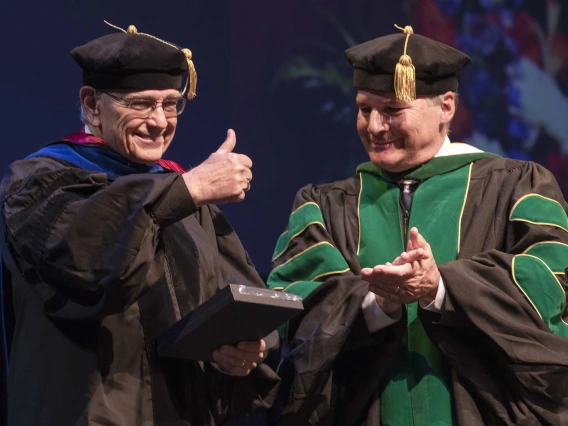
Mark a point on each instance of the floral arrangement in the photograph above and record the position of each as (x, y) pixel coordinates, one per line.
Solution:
(513, 96)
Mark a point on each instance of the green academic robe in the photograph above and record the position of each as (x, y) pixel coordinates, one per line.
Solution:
(497, 354)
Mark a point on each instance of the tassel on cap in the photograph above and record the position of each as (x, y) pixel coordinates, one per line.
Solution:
(191, 73)
(404, 73)
(191, 77)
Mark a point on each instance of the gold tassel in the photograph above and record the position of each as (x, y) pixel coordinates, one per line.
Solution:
(191, 73)
(404, 73)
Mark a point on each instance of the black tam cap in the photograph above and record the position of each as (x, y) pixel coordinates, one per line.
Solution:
(406, 64)
(134, 61)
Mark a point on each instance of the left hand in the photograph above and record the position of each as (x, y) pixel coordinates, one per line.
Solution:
(412, 276)
(240, 359)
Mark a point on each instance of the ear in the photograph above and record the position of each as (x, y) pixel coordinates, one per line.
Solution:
(90, 105)
(447, 107)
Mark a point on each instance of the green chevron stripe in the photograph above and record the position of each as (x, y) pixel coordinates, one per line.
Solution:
(304, 216)
(543, 290)
(554, 254)
(534, 208)
(315, 262)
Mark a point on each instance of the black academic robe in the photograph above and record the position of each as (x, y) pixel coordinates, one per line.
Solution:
(99, 269)
(503, 332)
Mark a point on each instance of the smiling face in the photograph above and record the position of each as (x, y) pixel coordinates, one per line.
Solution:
(136, 136)
(401, 135)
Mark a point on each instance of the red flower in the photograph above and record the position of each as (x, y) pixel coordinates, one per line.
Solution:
(429, 21)
(524, 33)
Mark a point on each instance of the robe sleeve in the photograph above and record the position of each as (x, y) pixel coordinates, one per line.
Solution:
(504, 324)
(312, 259)
(238, 396)
(88, 246)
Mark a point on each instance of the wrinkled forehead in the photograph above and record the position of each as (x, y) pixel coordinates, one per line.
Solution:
(375, 97)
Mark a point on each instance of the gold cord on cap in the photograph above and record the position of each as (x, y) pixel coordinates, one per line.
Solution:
(192, 77)
(192, 74)
(404, 74)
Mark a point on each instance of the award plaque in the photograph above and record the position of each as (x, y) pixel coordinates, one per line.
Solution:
(234, 314)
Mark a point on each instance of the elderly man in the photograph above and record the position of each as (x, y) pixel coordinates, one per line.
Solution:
(434, 279)
(108, 245)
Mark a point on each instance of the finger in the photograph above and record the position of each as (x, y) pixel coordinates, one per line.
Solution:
(412, 256)
(385, 287)
(413, 238)
(227, 361)
(229, 144)
(237, 359)
(366, 271)
(244, 160)
(232, 366)
(385, 271)
(247, 174)
(418, 241)
(393, 271)
(252, 346)
(253, 352)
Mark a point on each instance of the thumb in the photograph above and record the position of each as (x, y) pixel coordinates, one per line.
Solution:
(229, 143)
(412, 239)
(416, 240)
(419, 241)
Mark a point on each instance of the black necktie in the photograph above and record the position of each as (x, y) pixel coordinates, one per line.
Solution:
(407, 186)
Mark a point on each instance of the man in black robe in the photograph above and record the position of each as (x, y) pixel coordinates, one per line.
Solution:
(434, 280)
(107, 245)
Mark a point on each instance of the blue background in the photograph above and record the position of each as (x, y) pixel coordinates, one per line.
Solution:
(275, 73)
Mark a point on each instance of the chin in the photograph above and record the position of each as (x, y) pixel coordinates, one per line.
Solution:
(383, 161)
(146, 157)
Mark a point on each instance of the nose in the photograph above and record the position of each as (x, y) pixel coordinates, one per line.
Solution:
(377, 123)
(158, 117)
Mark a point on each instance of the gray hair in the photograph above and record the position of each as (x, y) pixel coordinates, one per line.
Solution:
(437, 100)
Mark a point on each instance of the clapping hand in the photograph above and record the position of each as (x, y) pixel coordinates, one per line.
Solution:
(410, 277)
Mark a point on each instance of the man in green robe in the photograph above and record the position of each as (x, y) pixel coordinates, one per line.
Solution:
(434, 279)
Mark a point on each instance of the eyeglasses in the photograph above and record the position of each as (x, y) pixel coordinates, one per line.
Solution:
(146, 106)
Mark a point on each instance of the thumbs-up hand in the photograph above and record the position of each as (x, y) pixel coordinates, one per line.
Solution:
(223, 178)
(229, 144)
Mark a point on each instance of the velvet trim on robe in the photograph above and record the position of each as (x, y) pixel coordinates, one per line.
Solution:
(491, 327)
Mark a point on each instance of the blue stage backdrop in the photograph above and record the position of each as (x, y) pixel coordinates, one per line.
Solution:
(275, 72)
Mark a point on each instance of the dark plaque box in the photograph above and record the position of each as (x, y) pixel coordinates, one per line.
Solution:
(234, 314)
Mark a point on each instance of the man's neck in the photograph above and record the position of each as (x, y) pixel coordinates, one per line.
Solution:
(444, 146)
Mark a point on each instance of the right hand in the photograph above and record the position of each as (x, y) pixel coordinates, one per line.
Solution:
(240, 359)
(223, 178)
(412, 276)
